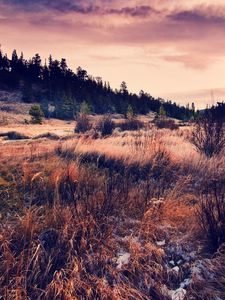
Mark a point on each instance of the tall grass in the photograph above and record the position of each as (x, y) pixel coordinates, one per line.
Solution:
(84, 203)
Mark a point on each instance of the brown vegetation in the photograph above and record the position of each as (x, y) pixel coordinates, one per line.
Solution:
(130, 216)
(164, 122)
(209, 135)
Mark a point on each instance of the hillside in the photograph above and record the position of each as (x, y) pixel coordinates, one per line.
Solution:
(56, 84)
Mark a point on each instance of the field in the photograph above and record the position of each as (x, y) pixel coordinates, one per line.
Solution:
(115, 217)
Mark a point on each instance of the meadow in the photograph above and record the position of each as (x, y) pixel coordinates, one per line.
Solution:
(132, 215)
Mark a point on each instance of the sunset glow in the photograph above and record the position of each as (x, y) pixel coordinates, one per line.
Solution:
(171, 49)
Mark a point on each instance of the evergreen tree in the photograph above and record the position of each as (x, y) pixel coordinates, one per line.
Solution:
(35, 67)
(36, 114)
(85, 108)
(82, 74)
(63, 66)
(6, 63)
(162, 111)
(27, 92)
(123, 88)
(130, 112)
(67, 108)
(14, 61)
(1, 60)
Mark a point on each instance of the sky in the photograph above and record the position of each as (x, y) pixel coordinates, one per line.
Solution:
(174, 49)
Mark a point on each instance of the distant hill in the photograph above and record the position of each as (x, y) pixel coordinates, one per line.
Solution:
(56, 84)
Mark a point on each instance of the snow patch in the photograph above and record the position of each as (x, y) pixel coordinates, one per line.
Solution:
(201, 270)
(176, 269)
(178, 294)
(123, 259)
(161, 243)
(172, 262)
(185, 283)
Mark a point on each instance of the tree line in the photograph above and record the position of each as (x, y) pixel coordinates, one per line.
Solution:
(61, 91)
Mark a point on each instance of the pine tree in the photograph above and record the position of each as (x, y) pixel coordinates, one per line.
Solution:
(14, 61)
(67, 108)
(82, 74)
(162, 111)
(85, 108)
(63, 66)
(130, 112)
(123, 88)
(35, 66)
(36, 114)
(27, 92)
(1, 60)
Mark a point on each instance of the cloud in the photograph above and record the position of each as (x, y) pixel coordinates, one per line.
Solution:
(136, 11)
(204, 15)
(80, 7)
(63, 6)
(191, 34)
(189, 60)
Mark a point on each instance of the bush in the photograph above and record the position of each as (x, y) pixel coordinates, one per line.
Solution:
(13, 135)
(162, 122)
(208, 135)
(82, 124)
(36, 114)
(130, 124)
(105, 125)
(211, 214)
(47, 135)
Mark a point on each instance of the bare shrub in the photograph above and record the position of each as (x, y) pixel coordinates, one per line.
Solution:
(163, 122)
(105, 125)
(14, 135)
(83, 124)
(208, 135)
(211, 214)
(47, 135)
(130, 124)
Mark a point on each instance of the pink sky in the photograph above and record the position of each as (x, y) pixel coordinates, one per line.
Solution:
(172, 49)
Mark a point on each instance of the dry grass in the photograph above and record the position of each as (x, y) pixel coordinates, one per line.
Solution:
(58, 127)
(12, 111)
(111, 218)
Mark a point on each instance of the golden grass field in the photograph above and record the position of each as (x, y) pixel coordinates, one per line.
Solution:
(106, 218)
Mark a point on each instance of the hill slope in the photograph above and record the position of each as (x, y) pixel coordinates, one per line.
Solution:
(55, 83)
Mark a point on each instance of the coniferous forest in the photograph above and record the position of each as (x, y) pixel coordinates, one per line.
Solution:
(54, 83)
